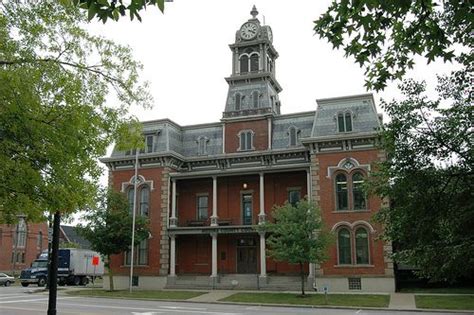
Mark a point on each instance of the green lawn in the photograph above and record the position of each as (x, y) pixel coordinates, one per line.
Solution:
(139, 294)
(357, 300)
(452, 302)
(459, 290)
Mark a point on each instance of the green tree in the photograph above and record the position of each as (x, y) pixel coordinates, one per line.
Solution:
(114, 9)
(429, 171)
(385, 36)
(429, 176)
(54, 118)
(109, 227)
(297, 236)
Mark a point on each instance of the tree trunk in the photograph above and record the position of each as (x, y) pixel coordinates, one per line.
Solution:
(111, 274)
(302, 279)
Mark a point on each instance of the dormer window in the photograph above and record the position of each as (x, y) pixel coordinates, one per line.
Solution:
(292, 136)
(238, 101)
(344, 122)
(244, 64)
(255, 97)
(202, 145)
(149, 143)
(254, 62)
(246, 140)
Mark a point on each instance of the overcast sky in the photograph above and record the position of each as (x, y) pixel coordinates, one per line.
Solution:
(186, 56)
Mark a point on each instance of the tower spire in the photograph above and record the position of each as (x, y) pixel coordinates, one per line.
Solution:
(254, 12)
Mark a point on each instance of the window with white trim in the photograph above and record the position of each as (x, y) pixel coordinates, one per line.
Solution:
(246, 140)
(202, 145)
(254, 61)
(350, 194)
(255, 99)
(344, 122)
(353, 246)
(238, 101)
(292, 136)
(202, 205)
(244, 64)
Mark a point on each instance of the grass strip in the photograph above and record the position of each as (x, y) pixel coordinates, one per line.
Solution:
(452, 302)
(454, 290)
(139, 294)
(356, 300)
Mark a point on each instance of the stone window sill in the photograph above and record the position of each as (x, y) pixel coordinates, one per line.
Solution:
(354, 266)
(351, 211)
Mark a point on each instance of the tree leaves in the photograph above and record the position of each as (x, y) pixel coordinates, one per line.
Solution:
(54, 119)
(384, 36)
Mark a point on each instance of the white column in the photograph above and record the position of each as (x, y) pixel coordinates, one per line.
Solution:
(173, 256)
(263, 257)
(261, 215)
(173, 219)
(214, 202)
(214, 255)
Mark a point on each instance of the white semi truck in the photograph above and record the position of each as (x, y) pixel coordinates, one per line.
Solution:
(75, 266)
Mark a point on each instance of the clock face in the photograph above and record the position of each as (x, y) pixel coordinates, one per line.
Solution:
(270, 34)
(248, 30)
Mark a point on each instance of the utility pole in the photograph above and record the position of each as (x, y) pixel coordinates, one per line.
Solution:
(50, 240)
(134, 210)
(53, 271)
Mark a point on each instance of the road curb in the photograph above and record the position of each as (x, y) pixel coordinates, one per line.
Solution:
(289, 305)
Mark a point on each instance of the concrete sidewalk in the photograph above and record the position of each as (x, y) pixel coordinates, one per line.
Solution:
(212, 296)
(402, 301)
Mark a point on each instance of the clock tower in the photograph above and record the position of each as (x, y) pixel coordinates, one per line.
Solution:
(253, 88)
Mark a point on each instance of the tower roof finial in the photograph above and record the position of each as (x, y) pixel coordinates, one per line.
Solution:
(254, 12)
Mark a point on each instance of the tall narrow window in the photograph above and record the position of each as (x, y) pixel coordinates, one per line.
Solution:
(149, 143)
(340, 123)
(244, 64)
(362, 246)
(39, 243)
(202, 205)
(144, 200)
(202, 145)
(142, 252)
(21, 233)
(238, 101)
(247, 209)
(246, 140)
(344, 246)
(255, 99)
(348, 122)
(293, 134)
(358, 195)
(130, 197)
(341, 192)
(254, 63)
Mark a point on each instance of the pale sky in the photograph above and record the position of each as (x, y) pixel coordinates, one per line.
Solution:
(186, 56)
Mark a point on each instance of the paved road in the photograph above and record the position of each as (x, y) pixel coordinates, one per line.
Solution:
(18, 301)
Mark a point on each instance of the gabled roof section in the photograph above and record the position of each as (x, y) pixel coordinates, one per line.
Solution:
(70, 234)
(361, 107)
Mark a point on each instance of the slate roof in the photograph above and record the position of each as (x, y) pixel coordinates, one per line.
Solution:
(71, 235)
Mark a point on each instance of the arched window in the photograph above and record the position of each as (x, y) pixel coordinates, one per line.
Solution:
(244, 64)
(246, 140)
(254, 62)
(238, 101)
(130, 197)
(348, 122)
(344, 246)
(144, 200)
(358, 195)
(293, 136)
(341, 192)
(362, 246)
(255, 99)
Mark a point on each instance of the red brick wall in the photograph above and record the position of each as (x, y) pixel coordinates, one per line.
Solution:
(331, 217)
(154, 175)
(31, 250)
(260, 139)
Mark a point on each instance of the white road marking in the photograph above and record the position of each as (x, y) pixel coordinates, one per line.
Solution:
(3, 297)
(35, 300)
(147, 313)
(358, 311)
(185, 308)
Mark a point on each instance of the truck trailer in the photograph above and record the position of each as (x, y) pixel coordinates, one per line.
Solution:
(75, 267)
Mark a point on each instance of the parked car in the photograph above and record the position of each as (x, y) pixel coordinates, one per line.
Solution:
(6, 280)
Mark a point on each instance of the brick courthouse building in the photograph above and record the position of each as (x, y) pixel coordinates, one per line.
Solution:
(205, 187)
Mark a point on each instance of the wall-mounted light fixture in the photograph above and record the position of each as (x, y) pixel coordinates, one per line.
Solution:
(244, 185)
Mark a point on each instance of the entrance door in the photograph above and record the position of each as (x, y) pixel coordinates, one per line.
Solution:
(246, 256)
